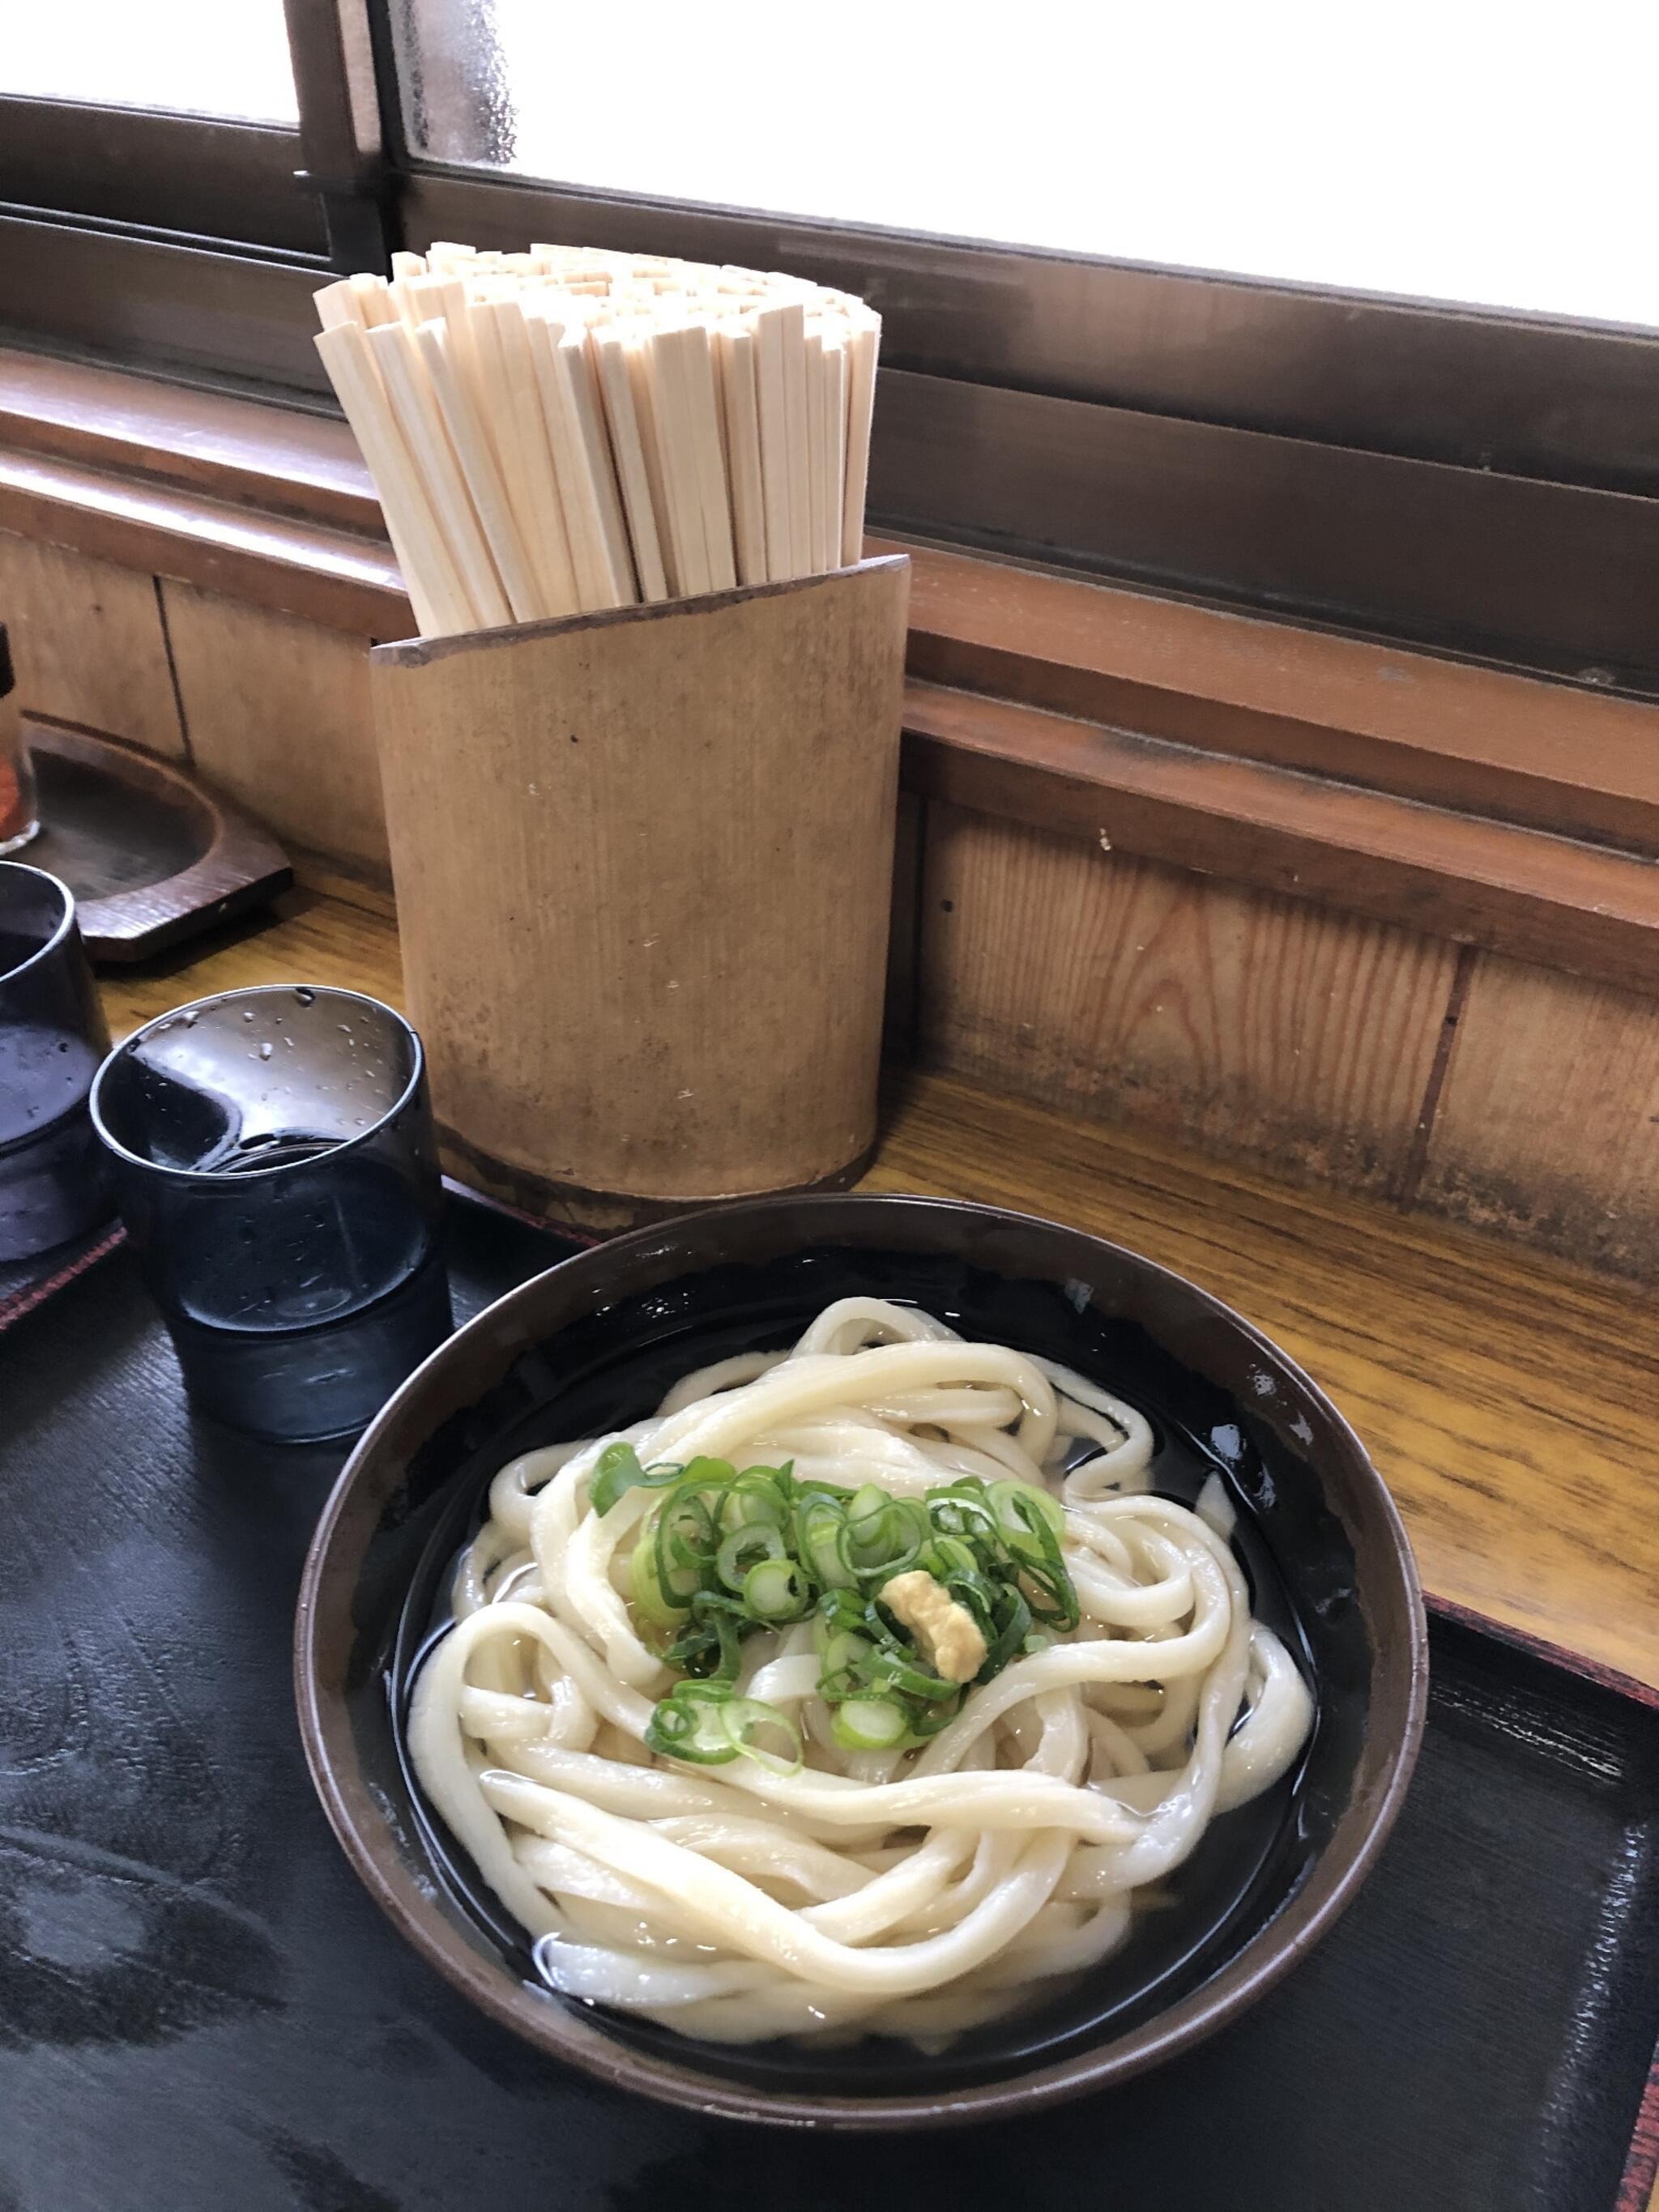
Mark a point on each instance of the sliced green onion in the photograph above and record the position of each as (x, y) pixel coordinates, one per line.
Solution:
(745, 1718)
(869, 1724)
(690, 1727)
(723, 1553)
(841, 1666)
(649, 1595)
(755, 1495)
(927, 1720)
(890, 1668)
(708, 1473)
(776, 1589)
(948, 1555)
(818, 1523)
(1013, 1626)
(617, 1468)
(756, 1539)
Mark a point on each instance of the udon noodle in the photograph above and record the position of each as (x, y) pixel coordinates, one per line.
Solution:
(916, 1890)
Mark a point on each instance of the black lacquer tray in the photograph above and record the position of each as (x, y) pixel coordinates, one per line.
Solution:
(200, 2008)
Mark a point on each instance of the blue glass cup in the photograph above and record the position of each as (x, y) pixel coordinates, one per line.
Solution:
(277, 1170)
(53, 1183)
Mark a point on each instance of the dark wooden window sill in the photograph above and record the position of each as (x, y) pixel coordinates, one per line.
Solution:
(1467, 801)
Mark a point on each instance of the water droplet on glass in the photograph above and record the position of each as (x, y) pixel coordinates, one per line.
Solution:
(189, 1020)
(304, 997)
(247, 1014)
(288, 1041)
(62, 1044)
(266, 1049)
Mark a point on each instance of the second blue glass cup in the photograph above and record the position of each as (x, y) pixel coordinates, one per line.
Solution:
(275, 1167)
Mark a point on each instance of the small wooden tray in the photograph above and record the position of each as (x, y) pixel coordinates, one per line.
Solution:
(150, 856)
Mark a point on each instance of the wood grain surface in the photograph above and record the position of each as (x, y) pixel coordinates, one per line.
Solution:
(88, 644)
(664, 834)
(1548, 1125)
(278, 715)
(1159, 998)
(303, 938)
(324, 574)
(1510, 1399)
(1561, 757)
(1580, 907)
(232, 447)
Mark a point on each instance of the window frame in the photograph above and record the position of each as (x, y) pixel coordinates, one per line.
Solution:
(149, 171)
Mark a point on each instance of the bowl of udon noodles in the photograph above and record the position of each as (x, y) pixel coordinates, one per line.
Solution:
(860, 1661)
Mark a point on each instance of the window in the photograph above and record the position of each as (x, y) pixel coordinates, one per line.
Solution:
(187, 57)
(1106, 242)
(1422, 155)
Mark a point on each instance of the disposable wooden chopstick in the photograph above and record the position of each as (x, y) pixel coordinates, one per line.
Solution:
(863, 340)
(768, 323)
(616, 395)
(601, 470)
(640, 348)
(434, 590)
(696, 359)
(373, 300)
(472, 450)
(569, 429)
(498, 413)
(736, 353)
(795, 438)
(549, 534)
(676, 446)
(834, 444)
(409, 387)
(596, 585)
(818, 486)
(337, 304)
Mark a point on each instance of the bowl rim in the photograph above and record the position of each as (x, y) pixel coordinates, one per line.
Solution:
(364, 1827)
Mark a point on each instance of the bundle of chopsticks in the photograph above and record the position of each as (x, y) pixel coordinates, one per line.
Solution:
(565, 429)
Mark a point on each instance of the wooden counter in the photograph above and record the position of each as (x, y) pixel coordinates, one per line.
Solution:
(1511, 1402)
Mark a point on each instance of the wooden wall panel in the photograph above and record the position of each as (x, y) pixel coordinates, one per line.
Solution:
(1548, 1125)
(88, 645)
(1145, 994)
(278, 715)
(899, 1029)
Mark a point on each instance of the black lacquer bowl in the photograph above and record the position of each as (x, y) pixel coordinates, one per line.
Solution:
(597, 1340)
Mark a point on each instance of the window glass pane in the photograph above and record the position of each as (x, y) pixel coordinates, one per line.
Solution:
(225, 58)
(1451, 149)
